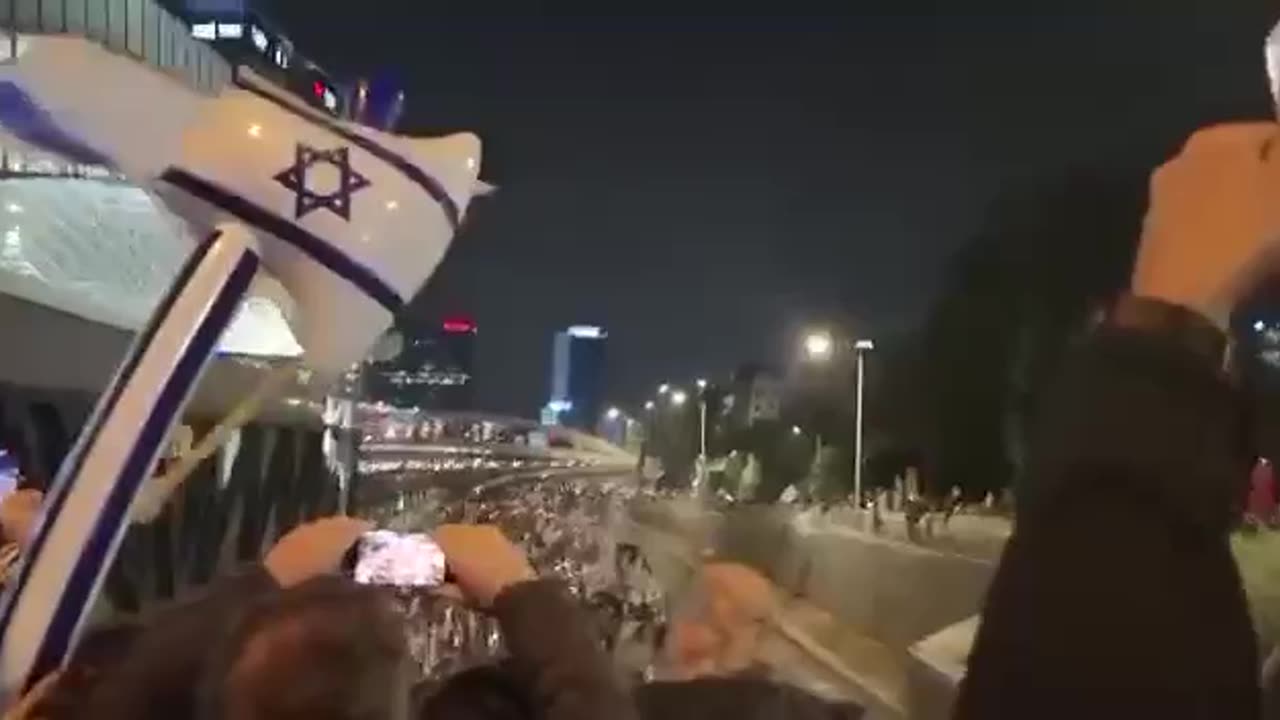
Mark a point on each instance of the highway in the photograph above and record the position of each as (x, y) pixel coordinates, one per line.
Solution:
(792, 650)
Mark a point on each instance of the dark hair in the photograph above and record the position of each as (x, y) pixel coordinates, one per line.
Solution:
(487, 692)
(100, 649)
(328, 649)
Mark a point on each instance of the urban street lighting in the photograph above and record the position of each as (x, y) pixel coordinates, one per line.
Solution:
(613, 414)
(664, 388)
(862, 347)
(818, 345)
(795, 430)
(649, 405)
(678, 397)
(702, 432)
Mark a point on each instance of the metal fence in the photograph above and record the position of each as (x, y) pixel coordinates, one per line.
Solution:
(138, 28)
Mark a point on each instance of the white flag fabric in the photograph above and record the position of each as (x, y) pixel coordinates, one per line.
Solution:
(1273, 65)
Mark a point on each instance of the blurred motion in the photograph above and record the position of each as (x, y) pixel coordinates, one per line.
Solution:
(956, 397)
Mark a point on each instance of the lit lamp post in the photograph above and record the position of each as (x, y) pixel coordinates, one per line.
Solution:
(678, 399)
(702, 429)
(820, 346)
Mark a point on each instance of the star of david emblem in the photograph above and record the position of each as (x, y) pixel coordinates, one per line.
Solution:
(306, 199)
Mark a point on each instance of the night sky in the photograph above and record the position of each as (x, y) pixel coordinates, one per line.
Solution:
(706, 186)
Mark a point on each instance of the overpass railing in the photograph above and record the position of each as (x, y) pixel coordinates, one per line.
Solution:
(138, 28)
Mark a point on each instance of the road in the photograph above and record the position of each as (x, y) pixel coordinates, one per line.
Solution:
(842, 666)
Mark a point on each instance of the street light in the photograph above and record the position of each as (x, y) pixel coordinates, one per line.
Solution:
(861, 347)
(820, 346)
(795, 430)
(678, 397)
(664, 388)
(613, 414)
(702, 432)
(649, 405)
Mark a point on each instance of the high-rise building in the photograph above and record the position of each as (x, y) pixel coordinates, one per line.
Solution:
(434, 369)
(756, 396)
(577, 377)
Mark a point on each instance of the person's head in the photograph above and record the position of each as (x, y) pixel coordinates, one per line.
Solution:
(487, 692)
(327, 649)
(718, 628)
(101, 649)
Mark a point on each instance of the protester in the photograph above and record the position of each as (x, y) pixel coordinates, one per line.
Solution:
(96, 654)
(326, 648)
(711, 655)
(1260, 510)
(1117, 595)
(290, 640)
(718, 630)
(159, 676)
(19, 513)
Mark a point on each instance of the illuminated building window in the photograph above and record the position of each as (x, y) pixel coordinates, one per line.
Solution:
(259, 38)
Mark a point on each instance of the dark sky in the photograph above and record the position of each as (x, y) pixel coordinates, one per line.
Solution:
(705, 185)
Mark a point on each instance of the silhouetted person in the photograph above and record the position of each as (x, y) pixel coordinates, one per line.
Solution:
(1117, 595)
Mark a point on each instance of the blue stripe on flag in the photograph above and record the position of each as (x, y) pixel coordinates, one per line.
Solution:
(113, 519)
(27, 121)
(314, 247)
(70, 468)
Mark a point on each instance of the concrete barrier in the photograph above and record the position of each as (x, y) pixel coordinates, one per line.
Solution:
(937, 665)
(896, 593)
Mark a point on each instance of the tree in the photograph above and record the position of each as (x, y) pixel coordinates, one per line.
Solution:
(1011, 301)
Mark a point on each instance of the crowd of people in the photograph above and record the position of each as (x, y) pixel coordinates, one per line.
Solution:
(547, 616)
(1116, 596)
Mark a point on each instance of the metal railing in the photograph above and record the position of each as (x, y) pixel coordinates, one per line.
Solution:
(138, 28)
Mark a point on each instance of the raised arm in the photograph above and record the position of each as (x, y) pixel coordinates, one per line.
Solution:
(1117, 595)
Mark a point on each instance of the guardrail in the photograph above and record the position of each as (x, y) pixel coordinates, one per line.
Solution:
(140, 29)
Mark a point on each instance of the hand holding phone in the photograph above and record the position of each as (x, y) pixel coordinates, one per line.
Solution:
(313, 549)
(482, 561)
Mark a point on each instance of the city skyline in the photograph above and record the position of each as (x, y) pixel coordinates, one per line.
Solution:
(708, 190)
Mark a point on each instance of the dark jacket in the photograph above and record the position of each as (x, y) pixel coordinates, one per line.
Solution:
(159, 675)
(552, 649)
(555, 654)
(736, 698)
(492, 692)
(1117, 595)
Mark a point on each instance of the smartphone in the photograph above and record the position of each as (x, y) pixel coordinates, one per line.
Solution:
(386, 557)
